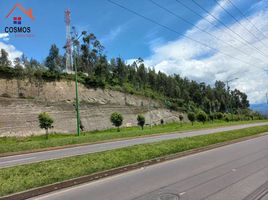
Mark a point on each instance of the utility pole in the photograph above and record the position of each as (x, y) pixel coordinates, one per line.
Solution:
(228, 81)
(150, 114)
(267, 97)
(228, 90)
(71, 46)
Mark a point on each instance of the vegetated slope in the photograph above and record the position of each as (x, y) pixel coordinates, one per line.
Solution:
(31, 80)
(23, 100)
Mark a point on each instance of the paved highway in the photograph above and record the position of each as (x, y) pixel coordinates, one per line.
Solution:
(234, 172)
(54, 154)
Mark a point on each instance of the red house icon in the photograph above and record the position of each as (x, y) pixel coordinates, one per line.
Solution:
(28, 12)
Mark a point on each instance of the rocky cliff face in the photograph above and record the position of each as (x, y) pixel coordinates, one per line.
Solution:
(22, 100)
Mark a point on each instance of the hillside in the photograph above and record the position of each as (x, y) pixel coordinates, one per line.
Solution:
(22, 100)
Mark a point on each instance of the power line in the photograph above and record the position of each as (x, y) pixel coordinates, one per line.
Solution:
(174, 31)
(189, 8)
(239, 10)
(202, 30)
(222, 23)
(229, 13)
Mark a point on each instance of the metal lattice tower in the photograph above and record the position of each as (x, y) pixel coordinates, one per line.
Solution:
(69, 65)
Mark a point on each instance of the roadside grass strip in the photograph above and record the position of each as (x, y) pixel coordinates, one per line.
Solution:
(9, 145)
(25, 177)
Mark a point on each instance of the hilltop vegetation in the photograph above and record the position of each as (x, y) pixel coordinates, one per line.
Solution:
(176, 92)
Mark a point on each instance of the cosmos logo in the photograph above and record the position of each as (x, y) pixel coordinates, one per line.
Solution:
(17, 25)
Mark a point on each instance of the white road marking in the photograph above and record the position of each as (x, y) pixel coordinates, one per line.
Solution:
(182, 193)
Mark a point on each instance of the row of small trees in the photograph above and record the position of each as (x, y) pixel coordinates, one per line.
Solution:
(46, 121)
(201, 116)
(117, 120)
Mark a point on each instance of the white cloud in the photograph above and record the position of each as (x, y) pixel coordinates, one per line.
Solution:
(11, 50)
(200, 63)
(4, 35)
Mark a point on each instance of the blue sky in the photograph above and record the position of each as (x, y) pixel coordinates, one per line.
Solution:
(129, 36)
(122, 33)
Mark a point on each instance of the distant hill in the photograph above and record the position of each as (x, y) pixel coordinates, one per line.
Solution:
(262, 108)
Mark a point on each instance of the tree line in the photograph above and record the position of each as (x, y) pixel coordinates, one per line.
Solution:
(95, 70)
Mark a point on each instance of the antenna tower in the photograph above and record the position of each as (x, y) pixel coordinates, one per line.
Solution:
(68, 45)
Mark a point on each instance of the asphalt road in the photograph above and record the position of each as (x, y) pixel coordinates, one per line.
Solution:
(234, 172)
(67, 152)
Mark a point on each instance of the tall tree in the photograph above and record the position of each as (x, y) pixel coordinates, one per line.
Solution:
(91, 49)
(54, 60)
(4, 61)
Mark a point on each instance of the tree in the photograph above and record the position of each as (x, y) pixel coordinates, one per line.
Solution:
(211, 117)
(45, 122)
(181, 118)
(219, 115)
(116, 119)
(191, 117)
(202, 116)
(141, 121)
(4, 61)
(53, 60)
(17, 63)
(91, 49)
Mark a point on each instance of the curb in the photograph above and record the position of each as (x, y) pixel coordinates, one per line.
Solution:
(93, 177)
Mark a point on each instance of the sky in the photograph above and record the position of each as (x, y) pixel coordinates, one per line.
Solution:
(233, 43)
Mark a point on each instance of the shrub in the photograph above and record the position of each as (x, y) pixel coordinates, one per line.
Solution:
(181, 118)
(116, 119)
(45, 122)
(219, 115)
(211, 117)
(191, 117)
(141, 121)
(202, 117)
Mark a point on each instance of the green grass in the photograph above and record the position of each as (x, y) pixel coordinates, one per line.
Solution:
(19, 144)
(20, 178)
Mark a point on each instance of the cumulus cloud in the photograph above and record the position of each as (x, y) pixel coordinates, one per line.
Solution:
(10, 49)
(4, 36)
(198, 62)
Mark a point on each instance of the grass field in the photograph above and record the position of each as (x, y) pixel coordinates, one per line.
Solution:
(19, 144)
(20, 178)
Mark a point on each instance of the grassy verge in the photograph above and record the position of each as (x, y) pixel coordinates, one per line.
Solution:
(20, 144)
(19, 178)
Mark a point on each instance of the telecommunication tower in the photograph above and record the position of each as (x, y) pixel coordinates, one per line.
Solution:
(68, 45)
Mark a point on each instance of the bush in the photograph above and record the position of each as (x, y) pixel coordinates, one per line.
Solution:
(218, 115)
(181, 118)
(94, 82)
(141, 121)
(191, 117)
(227, 117)
(202, 117)
(45, 122)
(211, 117)
(116, 119)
